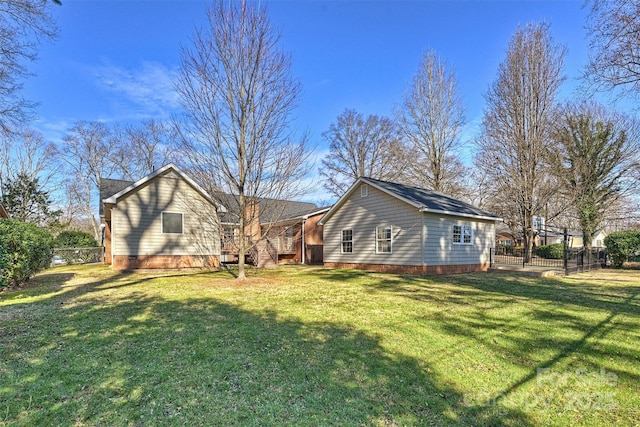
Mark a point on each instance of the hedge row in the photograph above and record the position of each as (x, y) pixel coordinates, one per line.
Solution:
(74, 239)
(621, 245)
(553, 251)
(25, 249)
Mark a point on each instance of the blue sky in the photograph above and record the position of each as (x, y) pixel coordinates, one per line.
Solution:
(115, 60)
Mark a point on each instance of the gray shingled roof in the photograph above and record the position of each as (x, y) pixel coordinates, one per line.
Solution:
(109, 187)
(428, 200)
(271, 210)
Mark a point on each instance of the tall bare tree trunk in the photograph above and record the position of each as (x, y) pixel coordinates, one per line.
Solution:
(516, 143)
(238, 95)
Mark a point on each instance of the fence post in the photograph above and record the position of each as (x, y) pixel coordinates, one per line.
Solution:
(491, 257)
(566, 251)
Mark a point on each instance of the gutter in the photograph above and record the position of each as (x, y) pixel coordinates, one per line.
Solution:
(451, 213)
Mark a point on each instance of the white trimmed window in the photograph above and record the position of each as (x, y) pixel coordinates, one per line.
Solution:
(383, 240)
(346, 244)
(462, 235)
(172, 223)
(364, 190)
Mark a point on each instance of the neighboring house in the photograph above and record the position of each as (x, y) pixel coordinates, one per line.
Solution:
(3, 212)
(164, 220)
(598, 239)
(576, 239)
(506, 238)
(550, 237)
(384, 226)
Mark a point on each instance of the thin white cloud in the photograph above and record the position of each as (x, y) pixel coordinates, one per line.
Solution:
(53, 130)
(143, 92)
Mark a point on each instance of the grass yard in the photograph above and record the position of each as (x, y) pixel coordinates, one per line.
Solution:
(314, 346)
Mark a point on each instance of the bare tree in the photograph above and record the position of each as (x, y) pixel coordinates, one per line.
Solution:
(146, 147)
(24, 24)
(431, 119)
(91, 153)
(361, 146)
(238, 93)
(598, 154)
(26, 152)
(516, 140)
(614, 62)
(623, 214)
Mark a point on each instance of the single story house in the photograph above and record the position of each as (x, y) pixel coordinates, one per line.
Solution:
(389, 227)
(164, 220)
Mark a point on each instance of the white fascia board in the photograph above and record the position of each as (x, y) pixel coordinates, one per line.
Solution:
(307, 216)
(340, 201)
(466, 215)
(353, 187)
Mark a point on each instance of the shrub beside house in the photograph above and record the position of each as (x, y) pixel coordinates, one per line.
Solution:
(25, 249)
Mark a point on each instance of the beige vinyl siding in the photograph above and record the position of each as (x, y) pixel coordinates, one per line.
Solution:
(363, 215)
(137, 223)
(439, 246)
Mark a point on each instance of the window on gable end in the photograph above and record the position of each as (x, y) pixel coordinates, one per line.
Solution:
(172, 223)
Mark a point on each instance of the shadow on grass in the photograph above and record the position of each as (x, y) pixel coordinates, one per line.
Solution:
(49, 282)
(148, 360)
(538, 323)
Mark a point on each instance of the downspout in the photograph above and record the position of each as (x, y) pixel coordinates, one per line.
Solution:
(303, 250)
(113, 241)
(424, 226)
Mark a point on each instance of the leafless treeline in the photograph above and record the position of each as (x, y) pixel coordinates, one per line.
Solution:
(573, 163)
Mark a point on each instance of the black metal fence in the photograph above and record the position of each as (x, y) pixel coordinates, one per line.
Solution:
(571, 260)
(579, 260)
(509, 255)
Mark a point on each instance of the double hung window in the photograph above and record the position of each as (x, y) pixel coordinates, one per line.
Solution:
(383, 240)
(462, 235)
(346, 244)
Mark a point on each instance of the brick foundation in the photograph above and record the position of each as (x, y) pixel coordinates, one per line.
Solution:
(124, 262)
(412, 269)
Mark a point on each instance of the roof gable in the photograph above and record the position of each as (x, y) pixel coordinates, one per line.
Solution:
(169, 168)
(422, 199)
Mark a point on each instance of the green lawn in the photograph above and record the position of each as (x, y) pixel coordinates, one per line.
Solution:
(313, 346)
